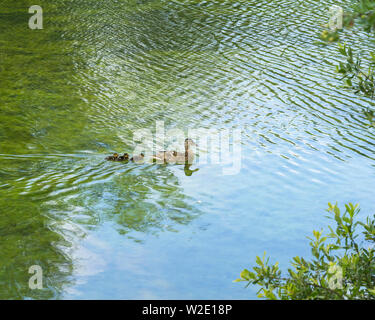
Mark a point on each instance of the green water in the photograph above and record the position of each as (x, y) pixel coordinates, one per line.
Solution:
(77, 90)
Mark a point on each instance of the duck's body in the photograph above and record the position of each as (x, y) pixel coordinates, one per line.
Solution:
(175, 157)
(163, 156)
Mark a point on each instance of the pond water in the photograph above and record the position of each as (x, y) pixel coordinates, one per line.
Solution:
(77, 90)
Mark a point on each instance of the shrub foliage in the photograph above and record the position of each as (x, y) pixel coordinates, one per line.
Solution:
(342, 264)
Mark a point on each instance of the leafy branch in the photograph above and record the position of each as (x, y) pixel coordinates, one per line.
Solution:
(341, 267)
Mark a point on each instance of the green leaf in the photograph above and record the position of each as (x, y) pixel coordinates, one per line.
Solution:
(245, 274)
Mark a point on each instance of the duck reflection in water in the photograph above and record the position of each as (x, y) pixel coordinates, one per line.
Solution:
(187, 170)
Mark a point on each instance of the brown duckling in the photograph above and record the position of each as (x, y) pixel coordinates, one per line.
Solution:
(116, 157)
(124, 157)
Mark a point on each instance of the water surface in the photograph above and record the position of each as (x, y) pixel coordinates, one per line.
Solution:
(76, 91)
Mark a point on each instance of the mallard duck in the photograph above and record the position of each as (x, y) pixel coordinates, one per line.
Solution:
(138, 158)
(177, 157)
(116, 157)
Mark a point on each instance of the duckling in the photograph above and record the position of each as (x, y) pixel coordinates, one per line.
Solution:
(124, 157)
(138, 158)
(116, 157)
(112, 158)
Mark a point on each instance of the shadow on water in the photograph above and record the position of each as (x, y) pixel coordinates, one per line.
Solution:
(51, 197)
(28, 238)
(43, 217)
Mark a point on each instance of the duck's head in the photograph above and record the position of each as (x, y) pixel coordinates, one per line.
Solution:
(125, 156)
(189, 143)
